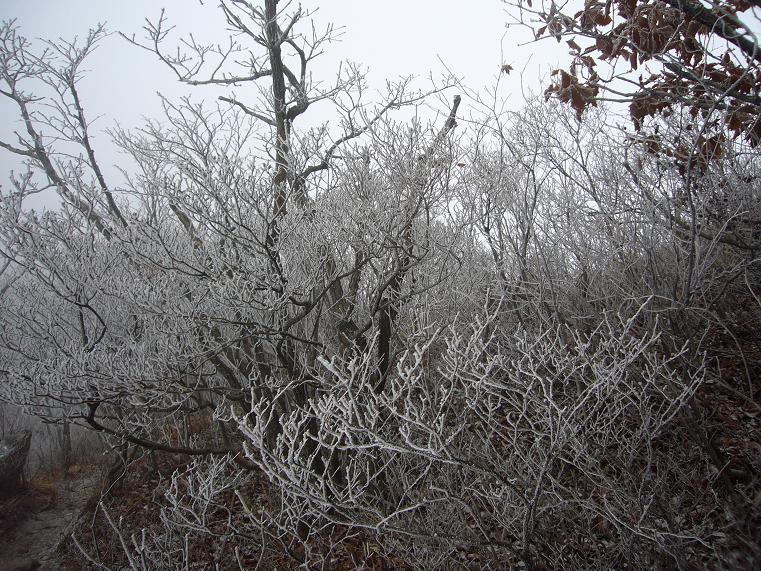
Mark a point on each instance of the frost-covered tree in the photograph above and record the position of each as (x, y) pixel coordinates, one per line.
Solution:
(450, 344)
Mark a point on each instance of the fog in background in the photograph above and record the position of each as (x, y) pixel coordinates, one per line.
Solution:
(391, 39)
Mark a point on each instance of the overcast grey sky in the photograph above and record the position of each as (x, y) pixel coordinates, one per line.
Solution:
(392, 38)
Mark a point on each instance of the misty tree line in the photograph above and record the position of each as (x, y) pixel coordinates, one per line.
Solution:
(500, 337)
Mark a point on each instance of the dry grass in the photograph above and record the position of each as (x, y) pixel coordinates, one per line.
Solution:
(43, 486)
(39, 494)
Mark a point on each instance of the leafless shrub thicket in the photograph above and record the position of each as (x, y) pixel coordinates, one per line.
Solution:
(499, 339)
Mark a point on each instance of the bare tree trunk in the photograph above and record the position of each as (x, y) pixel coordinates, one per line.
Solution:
(66, 445)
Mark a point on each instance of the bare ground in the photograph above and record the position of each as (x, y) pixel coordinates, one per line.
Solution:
(35, 523)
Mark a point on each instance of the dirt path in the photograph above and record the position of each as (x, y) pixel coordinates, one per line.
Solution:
(32, 545)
